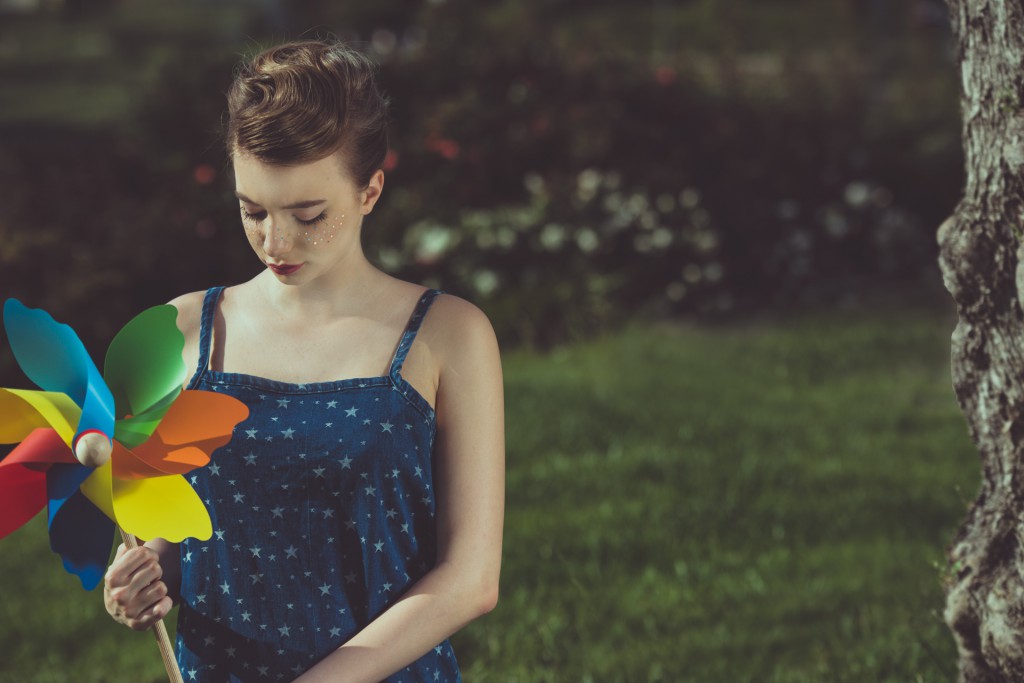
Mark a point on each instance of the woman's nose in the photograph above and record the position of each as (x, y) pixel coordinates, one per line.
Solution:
(276, 240)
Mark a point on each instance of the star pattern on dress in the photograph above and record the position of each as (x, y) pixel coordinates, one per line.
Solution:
(324, 518)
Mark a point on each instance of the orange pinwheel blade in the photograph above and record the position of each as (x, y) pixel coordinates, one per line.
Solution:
(196, 424)
(126, 465)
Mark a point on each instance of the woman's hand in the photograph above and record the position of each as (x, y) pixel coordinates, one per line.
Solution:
(133, 592)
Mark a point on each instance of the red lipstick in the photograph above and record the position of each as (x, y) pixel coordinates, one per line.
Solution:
(284, 268)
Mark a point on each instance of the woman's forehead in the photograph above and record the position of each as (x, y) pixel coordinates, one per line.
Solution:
(275, 185)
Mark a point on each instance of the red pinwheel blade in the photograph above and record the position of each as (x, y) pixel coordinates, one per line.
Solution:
(40, 449)
(23, 477)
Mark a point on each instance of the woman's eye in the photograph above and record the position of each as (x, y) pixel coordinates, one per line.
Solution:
(313, 221)
(254, 217)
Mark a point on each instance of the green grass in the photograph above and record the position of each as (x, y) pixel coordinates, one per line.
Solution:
(762, 502)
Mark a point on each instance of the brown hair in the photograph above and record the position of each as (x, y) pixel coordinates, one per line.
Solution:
(303, 101)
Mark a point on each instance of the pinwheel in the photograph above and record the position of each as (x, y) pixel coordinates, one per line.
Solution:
(157, 433)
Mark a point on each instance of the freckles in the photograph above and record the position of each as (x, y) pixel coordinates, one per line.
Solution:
(253, 233)
(249, 227)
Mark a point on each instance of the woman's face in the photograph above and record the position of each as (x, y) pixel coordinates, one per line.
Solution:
(301, 220)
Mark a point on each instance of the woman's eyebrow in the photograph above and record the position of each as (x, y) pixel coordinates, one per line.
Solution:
(296, 205)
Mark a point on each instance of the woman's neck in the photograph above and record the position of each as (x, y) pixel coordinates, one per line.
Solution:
(350, 288)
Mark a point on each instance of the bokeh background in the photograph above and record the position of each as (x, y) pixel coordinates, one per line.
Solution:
(704, 231)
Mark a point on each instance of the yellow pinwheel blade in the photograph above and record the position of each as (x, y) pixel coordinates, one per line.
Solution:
(158, 507)
(97, 488)
(161, 507)
(24, 411)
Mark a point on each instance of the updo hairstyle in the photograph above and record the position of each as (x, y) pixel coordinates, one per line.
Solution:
(303, 101)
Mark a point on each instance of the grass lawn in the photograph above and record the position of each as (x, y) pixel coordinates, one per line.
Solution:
(758, 502)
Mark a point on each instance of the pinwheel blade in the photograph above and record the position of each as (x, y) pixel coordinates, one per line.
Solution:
(22, 496)
(53, 357)
(197, 424)
(97, 488)
(158, 507)
(79, 532)
(126, 465)
(22, 411)
(23, 476)
(143, 367)
(161, 507)
(135, 430)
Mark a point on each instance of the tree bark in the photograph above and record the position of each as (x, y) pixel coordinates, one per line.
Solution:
(981, 260)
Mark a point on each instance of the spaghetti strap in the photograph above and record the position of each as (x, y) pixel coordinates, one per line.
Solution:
(415, 320)
(206, 332)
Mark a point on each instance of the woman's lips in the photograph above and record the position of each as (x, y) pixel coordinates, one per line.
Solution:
(284, 268)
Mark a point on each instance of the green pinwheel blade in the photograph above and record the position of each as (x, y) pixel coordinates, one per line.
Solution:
(143, 368)
(134, 431)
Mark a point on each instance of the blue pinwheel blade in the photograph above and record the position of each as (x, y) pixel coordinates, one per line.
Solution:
(79, 531)
(52, 356)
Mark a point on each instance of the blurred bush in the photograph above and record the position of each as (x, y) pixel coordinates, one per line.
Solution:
(564, 164)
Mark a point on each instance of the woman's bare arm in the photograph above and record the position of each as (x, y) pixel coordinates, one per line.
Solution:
(470, 488)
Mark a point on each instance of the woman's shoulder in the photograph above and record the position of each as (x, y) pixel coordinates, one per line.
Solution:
(456, 328)
(456, 310)
(190, 302)
(190, 311)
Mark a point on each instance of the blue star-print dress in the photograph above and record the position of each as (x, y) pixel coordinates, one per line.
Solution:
(323, 515)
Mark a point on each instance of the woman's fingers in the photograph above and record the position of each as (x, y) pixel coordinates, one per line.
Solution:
(150, 615)
(143, 576)
(127, 563)
(133, 592)
(146, 600)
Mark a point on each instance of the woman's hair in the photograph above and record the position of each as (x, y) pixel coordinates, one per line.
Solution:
(303, 101)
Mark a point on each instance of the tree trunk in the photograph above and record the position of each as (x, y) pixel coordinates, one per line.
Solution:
(980, 255)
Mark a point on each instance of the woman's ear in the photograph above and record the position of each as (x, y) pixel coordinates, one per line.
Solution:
(369, 196)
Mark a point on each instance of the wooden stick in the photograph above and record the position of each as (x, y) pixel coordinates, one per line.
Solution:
(159, 629)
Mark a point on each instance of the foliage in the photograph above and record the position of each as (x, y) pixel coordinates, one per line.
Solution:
(746, 184)
(564, 164)
(752, 502)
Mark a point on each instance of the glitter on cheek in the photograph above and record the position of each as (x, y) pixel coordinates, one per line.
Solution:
(334, 228)
(253, 232)
(313, 234)
(316, 238)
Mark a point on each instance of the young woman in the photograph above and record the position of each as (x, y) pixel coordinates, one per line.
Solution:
(358, 511)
